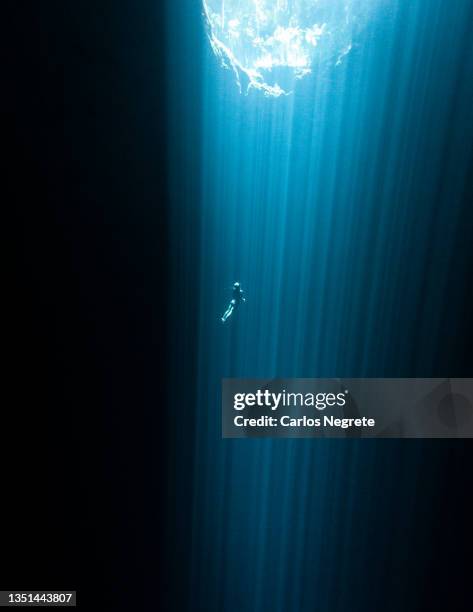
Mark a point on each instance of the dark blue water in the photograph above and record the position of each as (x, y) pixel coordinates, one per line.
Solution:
(344, 211)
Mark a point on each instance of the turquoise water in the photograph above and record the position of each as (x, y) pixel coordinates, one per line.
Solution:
(343, 209)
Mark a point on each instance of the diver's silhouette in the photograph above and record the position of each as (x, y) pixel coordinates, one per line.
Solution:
(237, 299)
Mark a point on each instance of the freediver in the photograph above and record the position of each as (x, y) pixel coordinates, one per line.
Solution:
(237, 299)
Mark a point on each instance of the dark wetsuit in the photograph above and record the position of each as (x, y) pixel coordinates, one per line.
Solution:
(237, 299)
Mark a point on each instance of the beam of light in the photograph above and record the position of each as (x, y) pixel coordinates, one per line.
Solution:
(271, 43)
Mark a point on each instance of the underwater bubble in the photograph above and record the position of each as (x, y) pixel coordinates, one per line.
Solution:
(270, 43)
